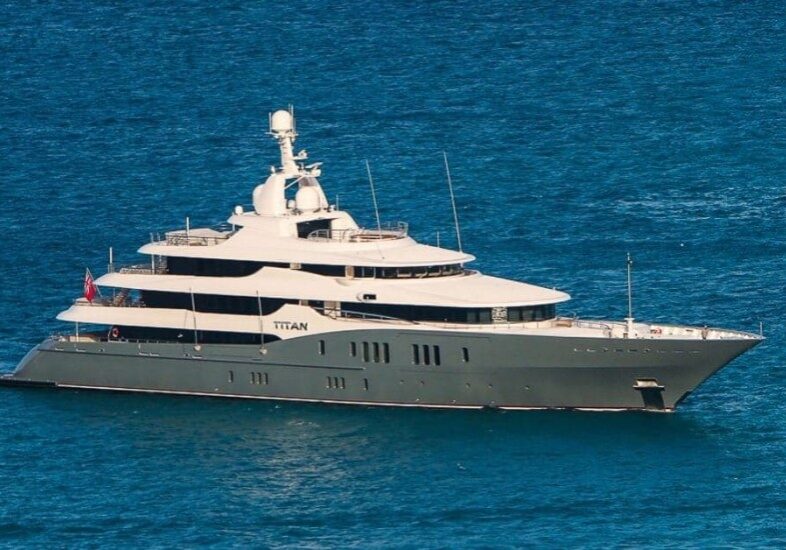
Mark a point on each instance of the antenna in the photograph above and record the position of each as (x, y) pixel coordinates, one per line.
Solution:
(452, 201)
(629, 318)
(374, 198)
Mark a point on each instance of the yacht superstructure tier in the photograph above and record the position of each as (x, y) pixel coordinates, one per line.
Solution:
(293, 300)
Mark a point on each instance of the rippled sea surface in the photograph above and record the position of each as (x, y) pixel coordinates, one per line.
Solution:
(576, 132)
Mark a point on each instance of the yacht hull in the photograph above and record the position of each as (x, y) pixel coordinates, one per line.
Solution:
(474, 371)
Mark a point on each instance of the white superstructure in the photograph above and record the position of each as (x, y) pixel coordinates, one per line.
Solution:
(310, 267)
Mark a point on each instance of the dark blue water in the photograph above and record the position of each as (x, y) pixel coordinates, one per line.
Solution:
(577, 131)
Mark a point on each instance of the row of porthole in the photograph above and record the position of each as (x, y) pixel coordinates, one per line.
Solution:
(339, 383)
(256, 378)
(260, 378)
(333, 382)
(620, 350)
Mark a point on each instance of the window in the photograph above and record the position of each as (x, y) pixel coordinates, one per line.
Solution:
(322, 347)
(231, 376)
(213, 303)
(207, 267)
(386, 352)
(436, 356)
(426, 356)
(376, 352)
(185, 336)
(450, 314)
(365, 352)
(416, 354)
(353, 349)
(365, 384)
(409, 272)
(465, 354)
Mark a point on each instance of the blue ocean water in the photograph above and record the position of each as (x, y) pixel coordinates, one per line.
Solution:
(576, 131)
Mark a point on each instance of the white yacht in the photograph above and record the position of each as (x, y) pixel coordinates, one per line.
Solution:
(294, 301)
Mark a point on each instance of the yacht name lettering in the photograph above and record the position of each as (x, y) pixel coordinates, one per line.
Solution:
(290, 325)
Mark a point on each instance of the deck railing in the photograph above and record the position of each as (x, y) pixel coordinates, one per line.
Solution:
(388, 231)
(143, 269)
(194, 237)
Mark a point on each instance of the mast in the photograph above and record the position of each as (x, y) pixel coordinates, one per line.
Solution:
(452, 201)
(629, 318)
(374, 197)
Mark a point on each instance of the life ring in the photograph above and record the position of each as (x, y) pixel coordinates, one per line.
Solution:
(656, 330)
(115, 332)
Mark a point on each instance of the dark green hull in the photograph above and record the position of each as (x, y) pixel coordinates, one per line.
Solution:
(500, 371)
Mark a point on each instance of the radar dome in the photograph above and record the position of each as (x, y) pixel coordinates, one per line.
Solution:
(281, 121)
(307, 199)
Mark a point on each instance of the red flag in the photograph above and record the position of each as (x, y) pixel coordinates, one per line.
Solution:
(90, 287)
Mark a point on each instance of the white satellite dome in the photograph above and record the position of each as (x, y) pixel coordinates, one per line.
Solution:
(307, 199)
(281, 121)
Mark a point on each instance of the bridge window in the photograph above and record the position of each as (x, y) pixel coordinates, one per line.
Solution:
(213, 303)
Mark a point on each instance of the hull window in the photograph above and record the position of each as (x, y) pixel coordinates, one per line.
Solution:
(386, 352)
(465, 354)
(416, 354)
(353, 349)
(259, 378)
(322, 347)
